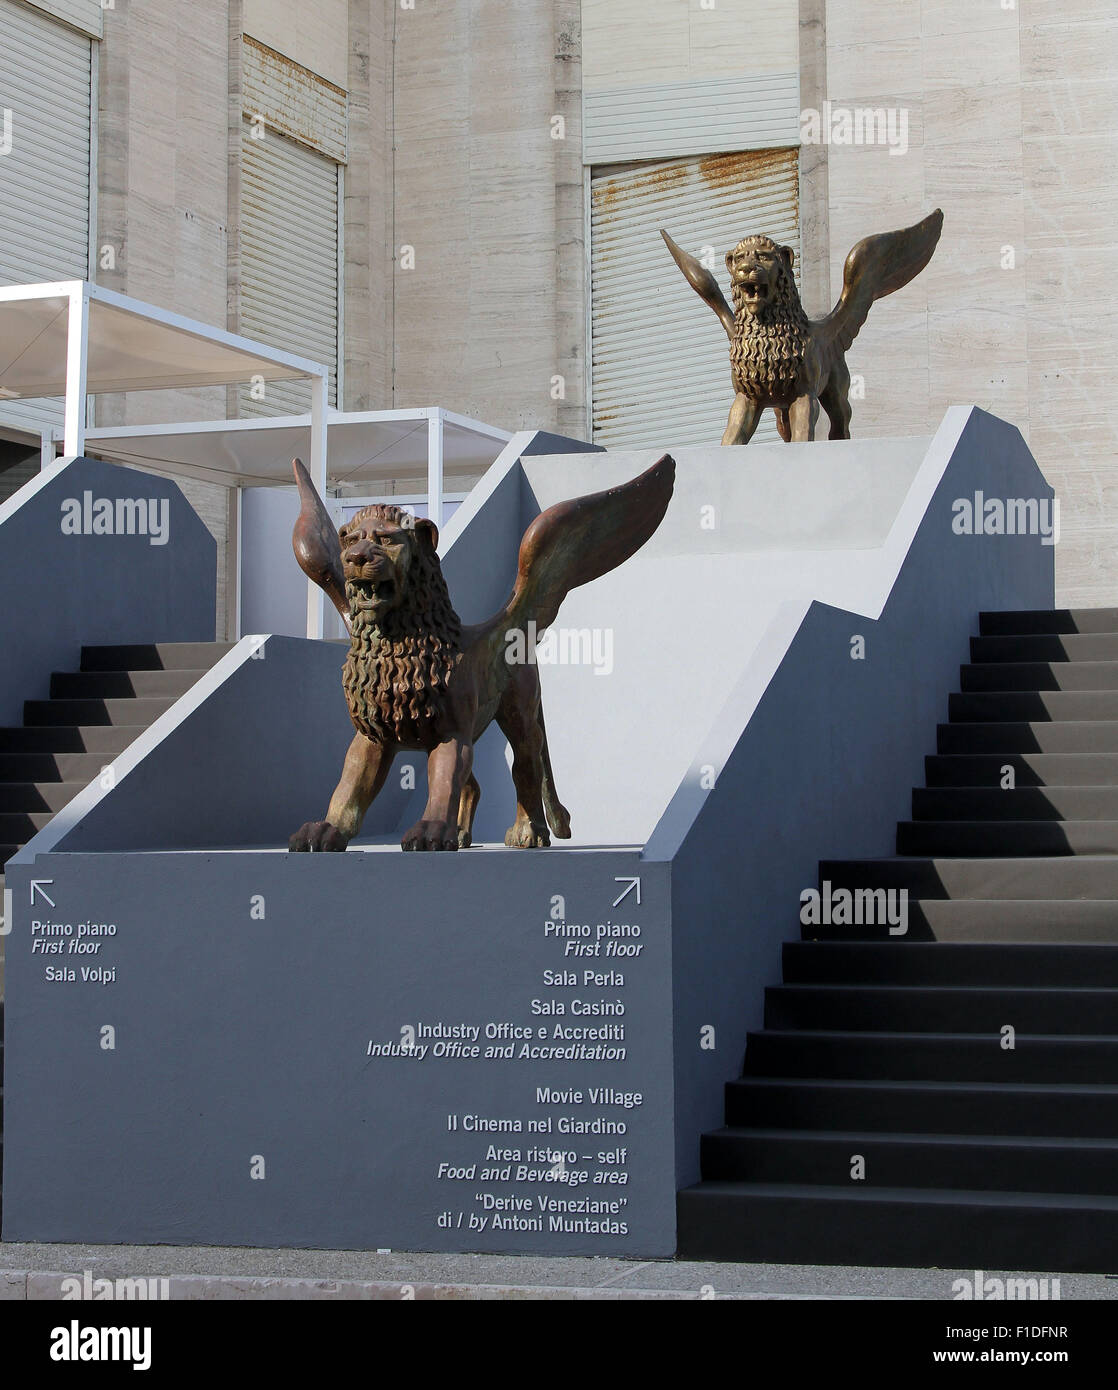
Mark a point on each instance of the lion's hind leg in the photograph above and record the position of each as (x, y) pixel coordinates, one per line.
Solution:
(518, 719)
(467, 809)
(835, 400)
(558, 817)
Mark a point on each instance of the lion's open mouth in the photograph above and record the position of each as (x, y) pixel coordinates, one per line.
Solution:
(367, 593)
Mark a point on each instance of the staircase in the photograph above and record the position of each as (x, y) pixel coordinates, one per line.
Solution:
(92, 715)
(889, 1056)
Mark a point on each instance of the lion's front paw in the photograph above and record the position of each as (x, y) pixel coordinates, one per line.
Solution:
(431, 835)
(317, 837)
(526, 835)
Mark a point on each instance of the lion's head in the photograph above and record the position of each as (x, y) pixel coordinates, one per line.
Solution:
(761, 277)
(380, 547)
(406, 635)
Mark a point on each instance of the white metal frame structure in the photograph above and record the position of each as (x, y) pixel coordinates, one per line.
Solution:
(405, 455)
(257, 452)
(74, 339)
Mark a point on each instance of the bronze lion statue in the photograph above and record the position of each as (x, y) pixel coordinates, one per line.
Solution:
(779, 358)
(417, 679)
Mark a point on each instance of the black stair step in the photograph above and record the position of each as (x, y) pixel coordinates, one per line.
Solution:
(41, 796)
(1039, 620)
(892, 1047)
(13, 476)
(1029, 769)
(981, 1163)
(856, 962)
(7, 850)
(860, 1008)
(1040, 675)
(1018, 803)
(1069, 876)
(19, 826)
(917, 1227)
(925, 1107)
(40, 713)
(971, 839)
(1098, 646)
(51, 767)
(904, 1056)
(1063, 736)
(160, 656)
(56, 738)
(974, 921)
(1027, 706)
(104, 685)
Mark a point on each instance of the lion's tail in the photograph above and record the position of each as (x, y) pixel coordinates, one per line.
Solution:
(557, 814)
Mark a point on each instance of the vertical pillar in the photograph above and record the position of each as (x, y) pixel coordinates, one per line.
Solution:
(77, 366)
(435, 466)
(316, 467)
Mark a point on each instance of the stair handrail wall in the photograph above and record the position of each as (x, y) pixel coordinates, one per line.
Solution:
(95, 553)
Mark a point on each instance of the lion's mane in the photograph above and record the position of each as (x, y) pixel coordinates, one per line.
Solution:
(767, 349)
(398, 669)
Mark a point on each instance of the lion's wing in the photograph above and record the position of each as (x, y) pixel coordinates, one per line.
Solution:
(702, 282)
(577, 541)
(316, 543)
(876, 267)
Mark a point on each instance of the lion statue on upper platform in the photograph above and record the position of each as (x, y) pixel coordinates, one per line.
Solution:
(417, 678)
(779, 358)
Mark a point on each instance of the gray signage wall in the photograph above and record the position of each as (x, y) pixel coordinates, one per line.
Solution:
(375, 1050)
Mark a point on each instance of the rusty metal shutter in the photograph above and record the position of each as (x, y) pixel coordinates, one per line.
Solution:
(291, 99)
(660, 370)
(752, 111)
(45, 84)
(289, 261)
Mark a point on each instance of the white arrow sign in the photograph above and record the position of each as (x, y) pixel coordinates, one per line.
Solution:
(37, 883)
(633, 883)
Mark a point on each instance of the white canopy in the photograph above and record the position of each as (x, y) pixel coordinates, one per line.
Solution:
(364, 449)
(75, 338)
